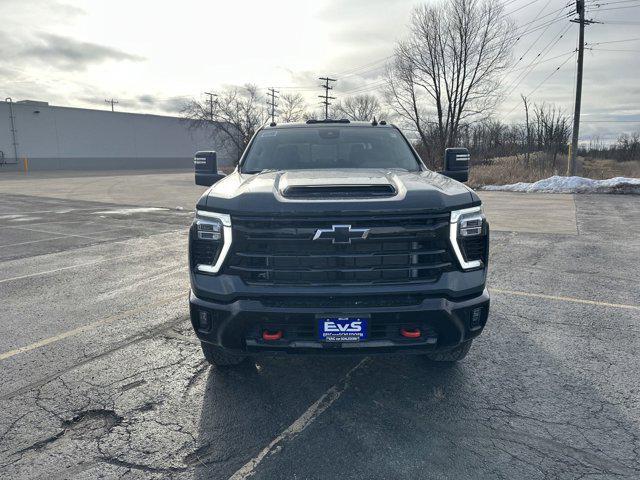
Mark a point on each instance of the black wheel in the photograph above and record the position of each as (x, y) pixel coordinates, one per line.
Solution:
(219, 357)
(448, 358)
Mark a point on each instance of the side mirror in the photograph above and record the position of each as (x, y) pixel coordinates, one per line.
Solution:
(205, 164)
(456, 164)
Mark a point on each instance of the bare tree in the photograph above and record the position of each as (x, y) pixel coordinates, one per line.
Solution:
(627, 146)
(292, 107)
(359, 107)
(448, 71)
(235, 114)
(552, 129)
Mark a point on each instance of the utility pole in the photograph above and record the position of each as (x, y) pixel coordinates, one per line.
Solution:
(211, 95)
(571, 168)
(326, 96)
(272, 103)
(112, 102)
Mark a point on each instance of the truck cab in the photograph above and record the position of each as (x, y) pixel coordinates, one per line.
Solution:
(332, 237)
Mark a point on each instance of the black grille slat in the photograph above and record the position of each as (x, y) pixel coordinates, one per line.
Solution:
(345, 255)
(398, 248)
(346, 270)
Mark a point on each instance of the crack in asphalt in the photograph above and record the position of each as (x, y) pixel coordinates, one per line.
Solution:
(80, 422)
(150, 333)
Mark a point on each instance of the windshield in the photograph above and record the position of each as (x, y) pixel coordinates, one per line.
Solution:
(329, 147)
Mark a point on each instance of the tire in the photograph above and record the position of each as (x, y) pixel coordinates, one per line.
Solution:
(219, 357)
(449, 358)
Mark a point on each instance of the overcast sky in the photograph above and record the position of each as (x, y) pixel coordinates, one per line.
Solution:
(152, 55)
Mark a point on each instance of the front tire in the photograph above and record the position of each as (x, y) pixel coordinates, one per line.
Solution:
(448, 358)
(219, 357)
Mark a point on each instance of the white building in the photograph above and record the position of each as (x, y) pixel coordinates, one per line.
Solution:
(64, 138)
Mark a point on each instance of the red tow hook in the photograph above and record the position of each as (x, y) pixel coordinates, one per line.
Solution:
(410, 333)
(271, 336)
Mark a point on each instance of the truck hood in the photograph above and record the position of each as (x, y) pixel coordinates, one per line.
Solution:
(272, 192)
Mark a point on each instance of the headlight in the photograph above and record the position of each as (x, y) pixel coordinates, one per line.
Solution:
(209, 241)
(469, 236)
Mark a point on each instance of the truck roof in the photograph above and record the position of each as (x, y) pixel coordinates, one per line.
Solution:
(328, 123)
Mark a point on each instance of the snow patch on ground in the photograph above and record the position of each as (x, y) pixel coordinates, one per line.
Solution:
(558, 184)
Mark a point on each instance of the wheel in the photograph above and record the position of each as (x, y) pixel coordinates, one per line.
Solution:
(219, 357)
(449, 357)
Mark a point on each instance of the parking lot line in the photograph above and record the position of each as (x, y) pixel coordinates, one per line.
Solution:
(88, 327)
(56, 233)
(79, 265)
(564, 299)
(303, 421)
(33, 241)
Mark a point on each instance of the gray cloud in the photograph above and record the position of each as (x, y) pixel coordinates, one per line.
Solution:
(68, 53)
(147, 99)
(171, 105)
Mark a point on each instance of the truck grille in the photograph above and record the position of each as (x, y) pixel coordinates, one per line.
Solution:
(397, 249)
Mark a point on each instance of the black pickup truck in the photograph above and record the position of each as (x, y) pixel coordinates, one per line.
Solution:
(332, 237)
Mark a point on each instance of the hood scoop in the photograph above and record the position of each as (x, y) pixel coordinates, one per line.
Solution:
(339, 191)
(320, 185)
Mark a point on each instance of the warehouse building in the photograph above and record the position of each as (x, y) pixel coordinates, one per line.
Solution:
(63, 138)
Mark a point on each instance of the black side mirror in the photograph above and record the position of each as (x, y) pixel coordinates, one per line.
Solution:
(205, 164)
(456, 164)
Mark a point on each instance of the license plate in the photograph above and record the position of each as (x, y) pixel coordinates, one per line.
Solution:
(343, 329)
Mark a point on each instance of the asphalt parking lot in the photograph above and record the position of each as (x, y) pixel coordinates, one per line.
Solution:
(102, 376)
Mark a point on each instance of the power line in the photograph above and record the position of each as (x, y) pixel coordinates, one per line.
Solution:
(521, 30)
(614, 41)
(378, 83)
(610, 50)
(598, 3)
(326, 96)
(509, 2)
(562, 55)
(520, 8)
(538, 18)
(620, 22)
(536, 40)
(519, 34)
(550, 75)
(356, 70)
(543, 82)
(366, 87)
(535, 61)
(615, 8)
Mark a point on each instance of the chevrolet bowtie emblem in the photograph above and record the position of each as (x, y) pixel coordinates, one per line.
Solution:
(341, 234)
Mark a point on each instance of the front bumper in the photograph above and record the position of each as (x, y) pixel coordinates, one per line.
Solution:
(237, 325)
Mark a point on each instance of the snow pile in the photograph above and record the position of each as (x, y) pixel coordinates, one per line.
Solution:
(558, 184)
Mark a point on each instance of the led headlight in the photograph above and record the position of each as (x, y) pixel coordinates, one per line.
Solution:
(210, 240)
(468, 233)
